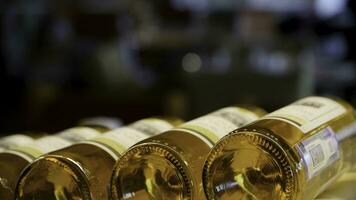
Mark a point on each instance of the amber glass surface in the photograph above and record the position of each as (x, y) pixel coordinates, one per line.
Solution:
(80, 171)
(262, 161)
(13, 161)
(166, 166)
(60, 175)
(11, 165)
(10, 168)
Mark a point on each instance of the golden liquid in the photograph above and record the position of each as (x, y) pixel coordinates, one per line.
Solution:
(261, 161)
(12, 164)
(80, 171)
(164, 167)
(10, 169)
(56, 177)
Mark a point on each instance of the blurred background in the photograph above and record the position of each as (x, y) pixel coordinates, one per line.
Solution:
(61, 61)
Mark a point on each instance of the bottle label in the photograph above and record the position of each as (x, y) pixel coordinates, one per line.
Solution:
(78, 134)
(151, 126)
(308, 113)
(122, 138)
(14, 140)
(51, 143)
(216, 125)
(42, 146)
(119, 140)
(319, 151)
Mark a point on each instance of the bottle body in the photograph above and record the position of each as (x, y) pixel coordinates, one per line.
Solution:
(15, 159)
(168, 166)
(83, 170)
(10, 164)
(11, 167)
(292, 153)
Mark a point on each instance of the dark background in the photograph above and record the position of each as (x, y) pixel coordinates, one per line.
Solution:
(61, 61)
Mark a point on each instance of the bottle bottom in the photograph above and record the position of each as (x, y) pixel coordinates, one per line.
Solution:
(247, 166)
(150, 171)
(52, 177)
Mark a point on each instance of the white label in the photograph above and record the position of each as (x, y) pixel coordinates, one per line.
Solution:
(121, 139)
(39, 147)
(51, 143)
(308, 113)
(216, 125)
(151, 126)
(78, 134)
(14, 140)
(125, 136)
(319, 151)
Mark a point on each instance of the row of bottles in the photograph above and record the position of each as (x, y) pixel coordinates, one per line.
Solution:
(237, 152)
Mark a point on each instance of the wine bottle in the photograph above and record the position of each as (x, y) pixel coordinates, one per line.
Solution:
(83, 170)
(169, 165)
(293, 153)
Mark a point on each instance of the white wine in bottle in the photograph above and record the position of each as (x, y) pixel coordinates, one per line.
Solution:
(83, 170)
(9, 142)
(14, 159)
(169, 165)
(292, 153)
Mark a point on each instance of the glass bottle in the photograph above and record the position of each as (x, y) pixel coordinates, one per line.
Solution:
(169, 165)
(14, 159)
(83, 170)
(292, 153)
